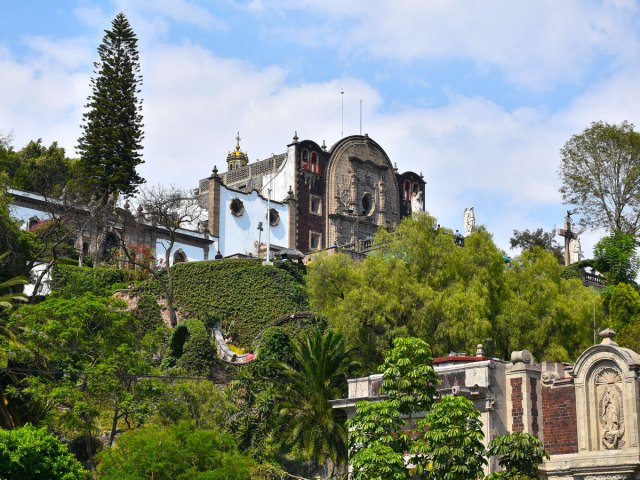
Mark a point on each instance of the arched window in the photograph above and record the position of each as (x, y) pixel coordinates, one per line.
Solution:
(407, 190)
(305, 160)
(179, 256)
(315, 165)
(416, 188)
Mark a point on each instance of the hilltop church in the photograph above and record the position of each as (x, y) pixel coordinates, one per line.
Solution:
(316, 196)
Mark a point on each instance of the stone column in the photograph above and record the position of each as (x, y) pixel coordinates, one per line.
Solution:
(293, 218)
(214, 204)
(524, 395)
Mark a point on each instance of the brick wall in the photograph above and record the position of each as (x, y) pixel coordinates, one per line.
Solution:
(559, 419)
(535, 427)
(517, 410)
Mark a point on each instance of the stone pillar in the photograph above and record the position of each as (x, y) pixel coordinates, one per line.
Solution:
(214, 203)
(382, 195)
(524, 395)
(293, 218)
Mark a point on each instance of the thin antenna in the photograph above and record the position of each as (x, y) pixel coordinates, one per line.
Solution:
(360, 116)
(342, 127)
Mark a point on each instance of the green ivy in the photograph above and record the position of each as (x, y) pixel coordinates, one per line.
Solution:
(71, 281)
(242, 296)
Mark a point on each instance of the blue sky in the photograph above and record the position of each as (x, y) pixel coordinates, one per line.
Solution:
(478, 96)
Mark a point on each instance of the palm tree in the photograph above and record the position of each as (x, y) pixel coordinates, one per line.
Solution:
(315, 372)
(8, 414)
(7, 298)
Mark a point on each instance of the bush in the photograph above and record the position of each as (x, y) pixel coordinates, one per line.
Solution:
(32, 453)
(70, 281)
(191, 348)
(148, 313)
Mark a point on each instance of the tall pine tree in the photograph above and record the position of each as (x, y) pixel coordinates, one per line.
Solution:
(112, 127)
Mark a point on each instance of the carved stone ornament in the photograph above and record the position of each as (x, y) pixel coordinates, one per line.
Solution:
(614, 476)
(237, 207)
(610, 407)
(549, 378)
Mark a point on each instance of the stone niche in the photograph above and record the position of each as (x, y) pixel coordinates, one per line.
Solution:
(606, 393)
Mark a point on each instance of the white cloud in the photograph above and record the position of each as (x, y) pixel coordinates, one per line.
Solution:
(535, 44)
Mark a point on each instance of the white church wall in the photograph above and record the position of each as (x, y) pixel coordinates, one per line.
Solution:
(283, 179)
(239, 234)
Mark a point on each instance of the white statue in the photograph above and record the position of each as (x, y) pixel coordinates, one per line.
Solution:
(417, 202)
(469, 221)
(575, 251)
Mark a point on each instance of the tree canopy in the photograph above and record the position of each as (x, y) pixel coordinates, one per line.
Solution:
(112, 128)
(600, 173)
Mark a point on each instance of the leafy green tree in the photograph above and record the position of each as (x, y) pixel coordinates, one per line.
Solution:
(520, 455)
(377, 436)
(38, 169)
(615, 256)
(544, 313)
(408, 379)
(31, 453)
(377, 442)
(528, 240)
(600, 173)
(449, 444)
(178, 452)
(92, 341)
(112, 128)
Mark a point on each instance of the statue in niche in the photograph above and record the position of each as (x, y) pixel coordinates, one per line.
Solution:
(611, 418)
(417, 203)
(469, 221)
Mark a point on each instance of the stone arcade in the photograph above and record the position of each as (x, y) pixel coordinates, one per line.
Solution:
(586, 413)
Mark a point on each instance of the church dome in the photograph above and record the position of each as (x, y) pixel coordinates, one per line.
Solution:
(237, 158)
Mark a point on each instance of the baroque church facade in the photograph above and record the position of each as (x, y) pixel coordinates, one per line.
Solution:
(336, 196)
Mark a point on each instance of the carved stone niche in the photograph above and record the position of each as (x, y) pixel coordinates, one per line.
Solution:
(606, 383)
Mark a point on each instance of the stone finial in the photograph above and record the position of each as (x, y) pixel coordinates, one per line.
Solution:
(608, 336)
(324, 146)
(290, 194)
(480, 350)
(214, 172)
(295, 136)
(522, 356)
(395, 167)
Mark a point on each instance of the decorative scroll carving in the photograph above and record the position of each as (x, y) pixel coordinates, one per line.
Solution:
(610, 407)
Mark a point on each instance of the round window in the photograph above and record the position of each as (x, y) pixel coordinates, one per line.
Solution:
(274, 217)
(237, 207)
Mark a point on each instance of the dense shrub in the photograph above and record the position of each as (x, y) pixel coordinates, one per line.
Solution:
(71, 281)
(31, 452)
(191, 348)
(148, 313)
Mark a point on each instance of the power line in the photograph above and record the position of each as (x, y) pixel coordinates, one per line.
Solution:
(135, 376)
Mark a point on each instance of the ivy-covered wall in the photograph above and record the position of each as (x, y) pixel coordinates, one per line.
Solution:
(70, 281)
(243, 296)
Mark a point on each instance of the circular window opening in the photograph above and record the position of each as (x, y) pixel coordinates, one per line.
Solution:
(237, 207)
(367, 204)
(274, 217)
